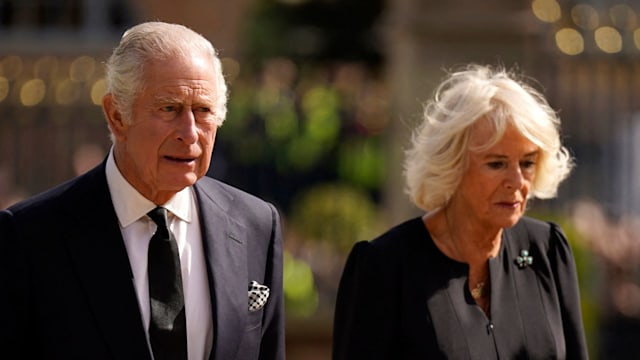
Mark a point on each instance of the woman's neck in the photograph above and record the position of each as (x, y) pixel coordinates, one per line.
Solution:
(461, 239)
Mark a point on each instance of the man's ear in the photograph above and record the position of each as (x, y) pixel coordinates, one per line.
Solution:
(114, 117)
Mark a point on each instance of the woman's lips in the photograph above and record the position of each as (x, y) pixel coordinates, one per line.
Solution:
(511, 204)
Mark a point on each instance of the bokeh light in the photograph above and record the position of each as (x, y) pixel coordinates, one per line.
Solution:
(4, 88)
(32, 92)
(608, 39)
(570, 41)
(45, 67)
(68, 92)
(546, 10)
(82, 68)
(98, 89)
(585, 16)
(623, 17)
(11, 67)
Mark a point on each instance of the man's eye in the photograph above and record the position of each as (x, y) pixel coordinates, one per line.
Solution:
(203, 109)
(168, 108)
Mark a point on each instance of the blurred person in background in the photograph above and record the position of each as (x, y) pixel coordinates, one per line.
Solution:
(472, 278)
(143, 257)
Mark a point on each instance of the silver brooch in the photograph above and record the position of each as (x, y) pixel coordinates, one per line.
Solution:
(524, 259)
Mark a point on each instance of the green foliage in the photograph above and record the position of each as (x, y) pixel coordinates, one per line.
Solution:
(281, 124)
(298, 126)
(335, 214)
(320, 106)
(300, 293)
(266, 127)
(302, 154)
(361, 162)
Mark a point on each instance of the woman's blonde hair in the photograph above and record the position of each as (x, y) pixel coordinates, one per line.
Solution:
(435, 162)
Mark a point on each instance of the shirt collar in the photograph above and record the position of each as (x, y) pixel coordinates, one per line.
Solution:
(130, 205)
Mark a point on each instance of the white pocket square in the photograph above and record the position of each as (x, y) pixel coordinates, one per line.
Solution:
(258, 295)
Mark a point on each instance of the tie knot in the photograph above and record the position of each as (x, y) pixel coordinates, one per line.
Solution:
(159, 216)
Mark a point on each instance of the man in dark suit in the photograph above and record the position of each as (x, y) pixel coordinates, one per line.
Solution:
(78, 276)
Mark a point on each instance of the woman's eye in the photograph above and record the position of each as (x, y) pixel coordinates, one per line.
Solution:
(495, 164)
(528, 164)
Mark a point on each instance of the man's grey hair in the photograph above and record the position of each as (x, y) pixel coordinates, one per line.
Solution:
(150, 41)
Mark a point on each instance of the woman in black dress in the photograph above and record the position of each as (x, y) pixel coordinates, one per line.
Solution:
(473, 278)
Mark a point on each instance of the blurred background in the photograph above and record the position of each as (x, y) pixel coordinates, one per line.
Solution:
(323, 96)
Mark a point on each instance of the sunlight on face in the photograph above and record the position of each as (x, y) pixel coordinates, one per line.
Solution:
(167, 146)
(496, 181)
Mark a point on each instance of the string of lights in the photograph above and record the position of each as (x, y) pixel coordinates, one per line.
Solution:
(591, 27)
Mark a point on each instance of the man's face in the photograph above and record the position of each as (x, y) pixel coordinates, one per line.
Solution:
(167, 144)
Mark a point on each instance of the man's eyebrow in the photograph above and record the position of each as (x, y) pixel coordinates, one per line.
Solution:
(204, 98)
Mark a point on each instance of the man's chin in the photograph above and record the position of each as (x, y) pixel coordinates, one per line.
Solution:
(179, 183)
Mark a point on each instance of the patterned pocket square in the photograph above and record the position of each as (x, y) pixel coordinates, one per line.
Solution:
(258, 295)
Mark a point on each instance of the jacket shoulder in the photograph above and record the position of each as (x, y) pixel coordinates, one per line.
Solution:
(235, 202)
(397, 242)
(55, 199)
(542, 234)
(222, 191)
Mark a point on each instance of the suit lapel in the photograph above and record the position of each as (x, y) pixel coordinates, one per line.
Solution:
(225, 251)
(102, 265)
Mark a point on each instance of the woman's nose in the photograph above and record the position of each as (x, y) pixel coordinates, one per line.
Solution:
(515, 178)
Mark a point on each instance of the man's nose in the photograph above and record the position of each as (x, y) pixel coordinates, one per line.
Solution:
(186, 130)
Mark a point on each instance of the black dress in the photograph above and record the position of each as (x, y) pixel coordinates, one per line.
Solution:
(401, 298)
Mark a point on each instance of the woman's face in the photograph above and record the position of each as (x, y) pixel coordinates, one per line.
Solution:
(496, 181)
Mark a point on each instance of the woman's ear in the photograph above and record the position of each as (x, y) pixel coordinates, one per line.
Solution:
(114, 117)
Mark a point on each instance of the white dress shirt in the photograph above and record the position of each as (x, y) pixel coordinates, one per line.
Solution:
(137, 228)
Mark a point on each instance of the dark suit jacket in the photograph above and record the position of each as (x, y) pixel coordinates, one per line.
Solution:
(401, 298)
(66, 287)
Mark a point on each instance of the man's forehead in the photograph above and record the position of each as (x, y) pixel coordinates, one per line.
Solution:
(178, 93)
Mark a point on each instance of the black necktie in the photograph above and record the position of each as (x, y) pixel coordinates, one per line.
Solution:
(167, 328)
